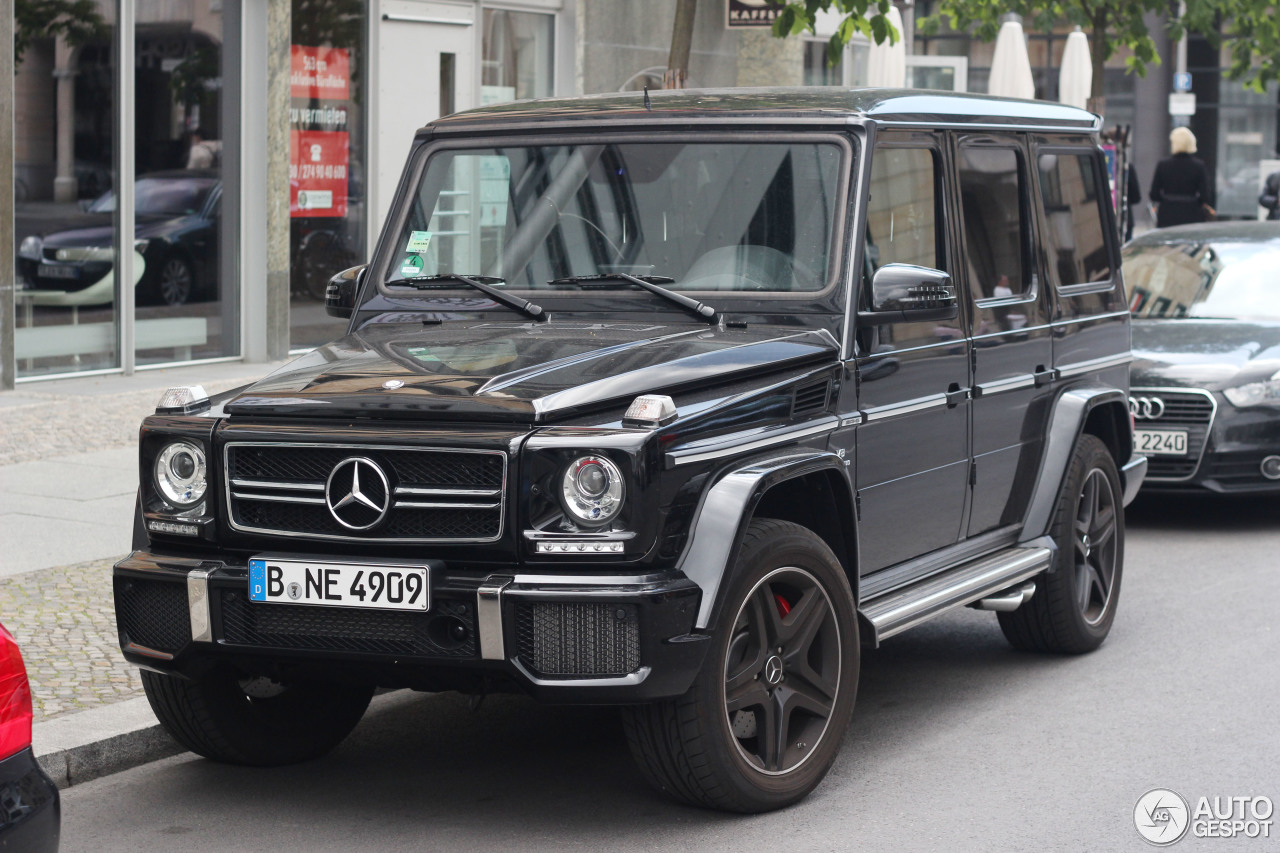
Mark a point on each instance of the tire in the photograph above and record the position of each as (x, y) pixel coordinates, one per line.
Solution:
(228, 718)
(174, 282)
(1074, 605)
(711, 746)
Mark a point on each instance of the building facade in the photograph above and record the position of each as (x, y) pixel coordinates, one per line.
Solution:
(259, 143)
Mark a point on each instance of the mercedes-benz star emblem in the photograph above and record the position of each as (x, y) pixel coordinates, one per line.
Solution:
(1146, 408)
(773, 670)
(357, 493)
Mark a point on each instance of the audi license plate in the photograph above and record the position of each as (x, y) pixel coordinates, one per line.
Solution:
(369, 585)
(58, 271)
(1161, 442)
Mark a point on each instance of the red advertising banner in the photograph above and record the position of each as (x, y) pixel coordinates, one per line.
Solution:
(318, 172)
(320, 72)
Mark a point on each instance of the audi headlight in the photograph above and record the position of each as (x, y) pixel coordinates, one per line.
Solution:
(1265, 393)
(31, 248)
(593, 490)
(180, 474)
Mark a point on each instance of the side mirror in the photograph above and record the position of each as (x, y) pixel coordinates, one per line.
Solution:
(905, 293)
(340, 294)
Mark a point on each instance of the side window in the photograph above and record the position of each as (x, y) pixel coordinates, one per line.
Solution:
(905, 226)
(1071, 193)
(902, 214)
(995, 222)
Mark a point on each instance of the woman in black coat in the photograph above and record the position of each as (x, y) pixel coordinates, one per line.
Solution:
(1180, 188)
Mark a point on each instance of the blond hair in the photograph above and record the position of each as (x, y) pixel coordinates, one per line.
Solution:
(1182, 141)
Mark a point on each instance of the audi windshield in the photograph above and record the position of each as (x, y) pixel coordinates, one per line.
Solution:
(719, 217)
(1223, 279)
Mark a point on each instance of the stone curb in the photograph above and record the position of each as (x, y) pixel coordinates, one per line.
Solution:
(90, 744)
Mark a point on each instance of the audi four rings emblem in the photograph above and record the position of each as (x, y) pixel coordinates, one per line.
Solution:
(357, 493)
(1146, 408)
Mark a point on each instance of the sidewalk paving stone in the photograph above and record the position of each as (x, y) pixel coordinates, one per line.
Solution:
(64, 620)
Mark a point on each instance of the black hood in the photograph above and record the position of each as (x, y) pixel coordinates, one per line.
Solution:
(530, 372)
(1210, 354)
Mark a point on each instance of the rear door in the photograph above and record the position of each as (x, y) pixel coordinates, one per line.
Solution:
(1012, 344)
(913, 447)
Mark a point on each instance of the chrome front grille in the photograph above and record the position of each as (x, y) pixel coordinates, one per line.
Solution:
(432, 495)
(1192, 410)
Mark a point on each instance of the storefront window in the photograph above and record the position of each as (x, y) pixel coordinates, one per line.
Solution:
(186, 293)
(326, 159)
(66, 295)
(518, 57)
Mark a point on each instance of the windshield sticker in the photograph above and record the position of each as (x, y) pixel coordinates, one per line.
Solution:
(419, 241)
(411, 266)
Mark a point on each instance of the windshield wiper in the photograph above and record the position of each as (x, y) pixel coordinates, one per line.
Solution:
(482, 283)
(649, 283)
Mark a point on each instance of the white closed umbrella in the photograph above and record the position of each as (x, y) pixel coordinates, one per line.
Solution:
(887, 63)
(1010, 65)
(1075, 77)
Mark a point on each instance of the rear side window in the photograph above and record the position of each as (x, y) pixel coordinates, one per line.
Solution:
(1072, 192)
(995, 222)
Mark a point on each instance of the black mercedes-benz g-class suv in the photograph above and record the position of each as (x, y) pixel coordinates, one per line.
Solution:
(673, 404)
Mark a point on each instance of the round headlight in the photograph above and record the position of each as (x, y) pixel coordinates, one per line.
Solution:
(180, 473)
(592, 490)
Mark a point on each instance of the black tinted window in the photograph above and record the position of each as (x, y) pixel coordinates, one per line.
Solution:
(904, 226)
(994, 221)
(1071, 191)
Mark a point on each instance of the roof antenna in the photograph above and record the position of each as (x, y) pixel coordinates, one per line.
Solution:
(647, 104)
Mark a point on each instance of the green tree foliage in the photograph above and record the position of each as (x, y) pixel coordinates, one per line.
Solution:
(77, 21)
(1251, 31)
(868, 17)
(1251, 28)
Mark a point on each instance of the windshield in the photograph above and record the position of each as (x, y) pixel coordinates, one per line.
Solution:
(162, 197)
(1200, 279)
(698, 216)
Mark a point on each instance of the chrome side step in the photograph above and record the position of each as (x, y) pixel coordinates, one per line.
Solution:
(907, 607)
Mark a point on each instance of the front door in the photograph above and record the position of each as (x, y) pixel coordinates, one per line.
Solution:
(913, 447)
(426, 59)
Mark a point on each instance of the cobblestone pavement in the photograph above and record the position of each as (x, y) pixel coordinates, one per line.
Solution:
(56, 424)
(65, 623)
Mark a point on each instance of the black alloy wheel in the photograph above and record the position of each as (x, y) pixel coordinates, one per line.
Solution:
(1095, 546)
(763, 721)
(1074, 606)
(782, 673)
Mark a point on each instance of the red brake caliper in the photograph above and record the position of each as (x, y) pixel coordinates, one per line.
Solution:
(783, 607)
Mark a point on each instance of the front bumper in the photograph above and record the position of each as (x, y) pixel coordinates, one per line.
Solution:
(1237, 442)
(560, 636)
(30, 809)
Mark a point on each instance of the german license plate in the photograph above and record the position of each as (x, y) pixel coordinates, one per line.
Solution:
(58, 271)
(1161, 442)
(369, 585)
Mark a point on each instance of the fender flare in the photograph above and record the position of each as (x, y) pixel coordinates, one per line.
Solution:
(728, 507)
(1066, 424)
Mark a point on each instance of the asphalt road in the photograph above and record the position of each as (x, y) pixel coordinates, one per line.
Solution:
(958, 743)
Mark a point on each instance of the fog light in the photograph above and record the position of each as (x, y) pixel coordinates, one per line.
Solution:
(170, 527)
(1271, 467)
